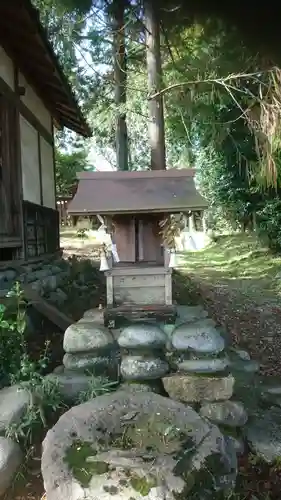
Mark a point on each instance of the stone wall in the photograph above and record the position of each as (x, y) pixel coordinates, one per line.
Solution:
(46, 277)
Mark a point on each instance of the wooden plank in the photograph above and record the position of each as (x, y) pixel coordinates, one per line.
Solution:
(140, 295)
(139, 269)
(25, 111)
(122, 315)
(139, 281)
(109, 289)
(48, 310)
(168, 290)
(10, 242)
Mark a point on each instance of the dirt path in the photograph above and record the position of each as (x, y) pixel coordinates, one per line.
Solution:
(240, 285)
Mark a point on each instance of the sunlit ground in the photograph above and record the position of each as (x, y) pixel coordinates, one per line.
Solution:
(238, 261)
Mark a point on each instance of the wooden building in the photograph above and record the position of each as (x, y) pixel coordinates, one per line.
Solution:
(35, 96)
(134, 204)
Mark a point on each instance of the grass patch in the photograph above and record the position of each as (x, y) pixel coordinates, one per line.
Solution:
(238, 261)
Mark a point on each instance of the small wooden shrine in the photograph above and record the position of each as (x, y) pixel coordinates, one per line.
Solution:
(136, 208)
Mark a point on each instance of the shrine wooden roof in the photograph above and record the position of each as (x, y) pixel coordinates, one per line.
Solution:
(149, 191)
(25, 41)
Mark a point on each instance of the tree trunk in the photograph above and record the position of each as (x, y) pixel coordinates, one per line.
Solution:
(120, 78)
(156, 128)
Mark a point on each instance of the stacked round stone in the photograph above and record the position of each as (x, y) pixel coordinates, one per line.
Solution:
(90, 348)
(201, 365)
(143, 354)
(203, 376)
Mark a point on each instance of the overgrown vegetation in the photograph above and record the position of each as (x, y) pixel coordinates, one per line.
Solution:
(17, 367)
(15, 362)
(67, 166)
(97, 387)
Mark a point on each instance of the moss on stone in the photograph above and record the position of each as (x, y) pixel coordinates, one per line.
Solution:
(76, 458)
(151, 433)
(143, 485)
(112, 490)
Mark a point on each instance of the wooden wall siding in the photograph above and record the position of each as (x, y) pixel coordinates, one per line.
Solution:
(124, 235)
(9, 172)
(13, 98)
(141, 285)
(140, 296)
(41, 227)
(150, 241)
(143, 289)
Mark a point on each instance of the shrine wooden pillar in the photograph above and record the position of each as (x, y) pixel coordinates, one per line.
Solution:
(191, 223)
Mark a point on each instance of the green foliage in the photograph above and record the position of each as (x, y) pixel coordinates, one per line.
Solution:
(17, 367)
(45, 402)
(15, 363)
(67, 166)
(12, 335)
(269, 222)
(82, 6)
(229, 187)
(97, 387)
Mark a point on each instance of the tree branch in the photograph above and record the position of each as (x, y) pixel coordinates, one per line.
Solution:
(219, 81)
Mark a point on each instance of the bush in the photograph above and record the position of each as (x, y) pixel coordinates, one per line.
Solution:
(269, 223)
(15, 362)
(17, 367)
(12, 335)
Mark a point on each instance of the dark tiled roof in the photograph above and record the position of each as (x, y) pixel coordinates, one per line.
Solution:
(25, 41)
(133, 192)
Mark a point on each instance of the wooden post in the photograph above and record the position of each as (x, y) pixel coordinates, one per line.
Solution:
(191, 223)
(109, 289)
(120, 80)
(168, 289)
(65, 213)
(156, 127)
(204, 222)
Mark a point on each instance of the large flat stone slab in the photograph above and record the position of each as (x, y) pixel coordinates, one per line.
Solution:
(174, 468)
(264, 434)
(10, 460)
(13, 404)
(192, 388)
(228, 413)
